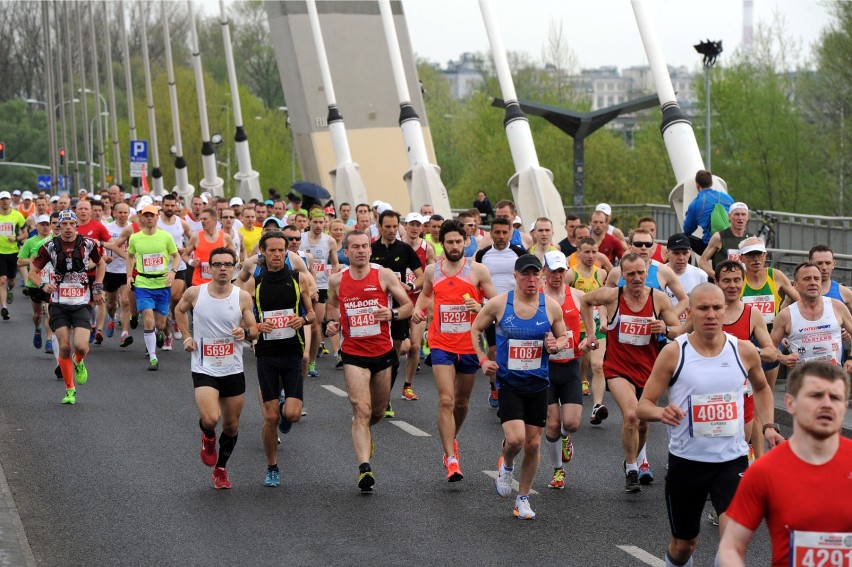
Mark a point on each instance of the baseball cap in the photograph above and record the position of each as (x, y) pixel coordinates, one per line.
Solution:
(27, 195)
(149, 209)
(43, 218)
(382, 207)
(82, 192)
(527, 261)
(144, 200)
(413, 217)
(126, 196)
(203, 198)
(16, 192)
(758, 246)
(375, 204)
(604, 208)
(518, 221)
(236, 202)
(555, 260)
(274, 220)
(5, 195)
(67, 215)
(678, 241)
(738, 206)
(54, 199)
(269, 202)
(158, 198)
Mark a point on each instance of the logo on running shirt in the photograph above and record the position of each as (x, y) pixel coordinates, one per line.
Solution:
(355, 304)
(371, 288)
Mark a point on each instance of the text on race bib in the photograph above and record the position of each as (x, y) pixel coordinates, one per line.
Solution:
(362, 322)
(319, 266)
(763, 303)
(634, 330)
(713, 415)
(153, 263)
(566, 353)
(279, 320)
(455, 319)
(217, 353)
(205, 271)
(7, 229)
(525, 354)
(820, 549)
(73, 294)
(734, 255)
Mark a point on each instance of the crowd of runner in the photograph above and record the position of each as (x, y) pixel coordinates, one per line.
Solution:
(703, 322)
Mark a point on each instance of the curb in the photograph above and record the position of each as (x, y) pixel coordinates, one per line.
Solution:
(14, 546)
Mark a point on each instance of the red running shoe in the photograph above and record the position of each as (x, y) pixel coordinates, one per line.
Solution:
(454, 473)
(220, 478)
(208, 450)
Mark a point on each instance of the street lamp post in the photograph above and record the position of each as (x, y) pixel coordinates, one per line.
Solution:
(100, 166)
(292, 144)
(710, 50)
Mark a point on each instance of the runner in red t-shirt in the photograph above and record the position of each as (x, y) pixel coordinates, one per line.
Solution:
(608, 245)
(359, 306)
(803, 488)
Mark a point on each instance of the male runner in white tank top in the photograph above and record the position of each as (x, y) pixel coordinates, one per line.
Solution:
(181, 233)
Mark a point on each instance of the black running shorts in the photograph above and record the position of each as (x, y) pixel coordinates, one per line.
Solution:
(275, 373)
(530, 408)
(566, 386)
(228, 386)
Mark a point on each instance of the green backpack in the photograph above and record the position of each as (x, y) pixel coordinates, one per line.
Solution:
(719, 218)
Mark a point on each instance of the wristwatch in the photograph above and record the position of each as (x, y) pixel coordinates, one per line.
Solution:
(774, 426)
(395, 314)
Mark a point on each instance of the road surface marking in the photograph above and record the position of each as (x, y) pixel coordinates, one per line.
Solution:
(493, 474)
(642, 555)
(335, 390)
(408, 428)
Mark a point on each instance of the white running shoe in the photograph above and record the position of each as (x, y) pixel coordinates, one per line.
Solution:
(176, 332)
(503, 482)
(522, 508)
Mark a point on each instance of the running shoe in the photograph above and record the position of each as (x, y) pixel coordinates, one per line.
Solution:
(585, 387)
(10, 297)
(408, 394)
(751, 456)
(454, 473)
(631, 479)
(304, 409)
(389, 413)
(99, 337)
(522, 508)
(81, 375)
(503, 482)
(70, 397)
(493, 400)
(126, 341)
(37, 339)
(57, 372)
(338, 361)
(712, 516)
(283, 425)
(48, 347)
(176, 331)
(134, 321)
(646, 476)
(599, 413)
(92, 336)
(273, 478)
(372, 448)
(153, 365)
(558, 480)
(324, 349)
(167, 343)
(567, 449)
(366, 481)
(220, 478)
(161, 339)
(110, 330)
(312, 369)
(4, 313)
(208, 450)
(418, 368)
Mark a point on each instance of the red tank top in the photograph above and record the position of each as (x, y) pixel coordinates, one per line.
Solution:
(741, 328)
(409, 275)
(658, 255)
(362, 334)
(571, 316)
(631, 348)
(450, 328)
(201, 273)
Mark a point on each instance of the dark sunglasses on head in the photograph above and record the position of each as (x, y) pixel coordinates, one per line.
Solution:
(643, 244)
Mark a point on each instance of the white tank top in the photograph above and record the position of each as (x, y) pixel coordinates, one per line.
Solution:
(816, 340)
(710, 391)
(217, 352)
(176, 230)
(320, 253)
(501, 265)
(118, 265)
(194, 225)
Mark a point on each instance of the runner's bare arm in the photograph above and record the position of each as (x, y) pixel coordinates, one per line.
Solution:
(668, 316)
(418, 279)
(764, 404)
(425, 298)
(482, 278)
(391, 284)
(248, 330)
(791, 295)
(229, 243)
(713, 246)
(841, 313)
(604, 296)
(656, 386)
(603, 262)
(332, 307)
(304, 283)
(189, 249)
(734, 544)
(780, 329)
(768, 351)
(612, 277)
(489, 314)
(333, 247)
(671, 281)
(557, 324)
(246, 271)
(187, 302)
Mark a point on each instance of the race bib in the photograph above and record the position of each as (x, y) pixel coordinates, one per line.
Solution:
(46, 273)
(566, 353)
(73, 294)
(217, 353)
(634, 330)
(455, 319)
(820, 549)
(525, 354)
(362, 322)
(319, 266)
(684, 316)
(279, 320)
(7, 229)
(410, 277)
(205, 271)
(713, 415)
(763, 303)
(153, 263)
(734, 255)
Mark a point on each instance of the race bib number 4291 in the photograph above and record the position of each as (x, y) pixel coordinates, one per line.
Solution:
(820, 549)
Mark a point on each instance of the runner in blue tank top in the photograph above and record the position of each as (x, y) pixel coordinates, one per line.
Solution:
(529, 328)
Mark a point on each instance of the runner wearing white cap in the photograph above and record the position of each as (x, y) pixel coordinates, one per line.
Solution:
(610, 229)
(725, 244)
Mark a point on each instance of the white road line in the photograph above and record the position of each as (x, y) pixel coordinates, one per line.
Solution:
(642, 555)
(408, 428)
(335, 390)
(515, 487)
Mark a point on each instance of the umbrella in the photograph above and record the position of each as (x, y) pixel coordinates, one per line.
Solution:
(308, 189)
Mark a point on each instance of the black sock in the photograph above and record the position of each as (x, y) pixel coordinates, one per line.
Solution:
(364, 467)
(406, 385)
(207, 432)
(394, 372)
(493, 386)
(226, 447)
(272, 467)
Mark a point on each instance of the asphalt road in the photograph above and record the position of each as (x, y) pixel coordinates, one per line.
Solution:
(117, 480)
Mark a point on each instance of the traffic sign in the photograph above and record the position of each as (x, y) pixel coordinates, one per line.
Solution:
(44, 181)
(138, 157)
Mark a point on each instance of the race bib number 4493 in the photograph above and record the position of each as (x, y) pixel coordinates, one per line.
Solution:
(820, 549)
(73, 294)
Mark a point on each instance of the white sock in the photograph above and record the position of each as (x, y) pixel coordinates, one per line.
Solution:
(554, 450)
(565, 433)
(55, 340)
(632, 467)
(150, 344)
(642, 456)
(670, 563)
(452, 460)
